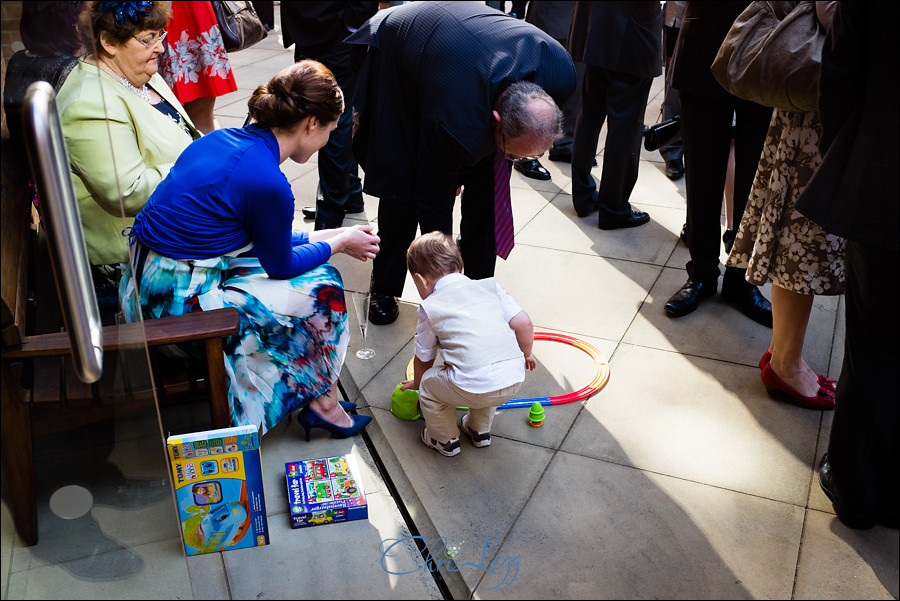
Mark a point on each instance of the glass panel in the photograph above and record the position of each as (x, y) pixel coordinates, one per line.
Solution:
(106, 517)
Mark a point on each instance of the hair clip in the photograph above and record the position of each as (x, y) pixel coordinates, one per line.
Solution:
(132, 10)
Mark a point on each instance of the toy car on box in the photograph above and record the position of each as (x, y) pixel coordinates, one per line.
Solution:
(325, 491)
(219, 489)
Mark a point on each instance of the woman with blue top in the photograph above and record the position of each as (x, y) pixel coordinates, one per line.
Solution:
(217, 233)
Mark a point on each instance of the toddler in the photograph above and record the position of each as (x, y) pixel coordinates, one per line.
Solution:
(485, 339)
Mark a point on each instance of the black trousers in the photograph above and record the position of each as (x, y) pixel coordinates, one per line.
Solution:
(862, 449)
(338, 172)
(671, 107)
(398, 219)
(706, 130)
(619, 99)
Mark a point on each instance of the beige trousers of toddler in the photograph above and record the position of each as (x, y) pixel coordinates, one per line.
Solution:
(439, 398)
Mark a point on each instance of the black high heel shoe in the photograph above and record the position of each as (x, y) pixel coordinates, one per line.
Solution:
(309, 419)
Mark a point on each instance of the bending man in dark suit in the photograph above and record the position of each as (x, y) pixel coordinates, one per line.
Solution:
(431, 120)
(318, 30)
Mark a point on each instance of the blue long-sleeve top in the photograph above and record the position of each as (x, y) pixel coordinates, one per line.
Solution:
(225, 192)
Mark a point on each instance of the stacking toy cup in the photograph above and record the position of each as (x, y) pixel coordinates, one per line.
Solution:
(405, 404)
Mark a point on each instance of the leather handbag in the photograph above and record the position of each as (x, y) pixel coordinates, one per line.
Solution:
(239, 24)
(660, 134)
(772, 56)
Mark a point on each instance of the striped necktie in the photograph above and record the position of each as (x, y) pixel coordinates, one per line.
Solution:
(503, 219)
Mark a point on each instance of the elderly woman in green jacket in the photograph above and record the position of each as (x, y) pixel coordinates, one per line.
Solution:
(123, 127)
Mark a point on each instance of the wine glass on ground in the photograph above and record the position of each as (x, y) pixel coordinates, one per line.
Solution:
(361, 304)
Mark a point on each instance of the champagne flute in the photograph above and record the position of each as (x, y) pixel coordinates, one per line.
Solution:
(361, 304)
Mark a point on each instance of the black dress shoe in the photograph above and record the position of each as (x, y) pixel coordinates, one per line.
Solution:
(688, 298)
(859, 521)
(383, 309)
(532, 169)
(309, 212)
(748, 298)
(586, 209)
(683, 234)
(674, 169)
(635, 219)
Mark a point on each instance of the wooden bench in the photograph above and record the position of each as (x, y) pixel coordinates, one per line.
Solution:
(41, 394)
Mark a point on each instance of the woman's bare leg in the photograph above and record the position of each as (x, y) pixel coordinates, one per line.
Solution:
(200, 111)
(790, 318)
(328, 407)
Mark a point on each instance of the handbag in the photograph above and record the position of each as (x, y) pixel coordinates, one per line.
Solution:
(660, 134)
(239, 24)
(772, 56)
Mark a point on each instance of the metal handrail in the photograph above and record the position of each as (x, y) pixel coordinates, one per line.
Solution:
(62, 220)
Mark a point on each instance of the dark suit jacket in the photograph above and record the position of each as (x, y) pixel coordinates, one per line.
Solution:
(312, 23)
(432, 75)
(854, 193)
(551, 16)
(702, 32)
(618, 36)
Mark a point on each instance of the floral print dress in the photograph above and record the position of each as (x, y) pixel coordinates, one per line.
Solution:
(775, 242)
(195, 64)
(293, 333)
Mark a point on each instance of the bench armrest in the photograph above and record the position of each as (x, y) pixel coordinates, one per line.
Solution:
(173, 329)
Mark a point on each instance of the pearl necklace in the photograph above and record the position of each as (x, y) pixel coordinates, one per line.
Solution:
(143, 92)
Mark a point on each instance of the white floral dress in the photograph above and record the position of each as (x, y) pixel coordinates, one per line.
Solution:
(775, 242)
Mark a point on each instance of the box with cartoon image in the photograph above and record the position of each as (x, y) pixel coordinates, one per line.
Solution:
(219, 488)
(325, 491)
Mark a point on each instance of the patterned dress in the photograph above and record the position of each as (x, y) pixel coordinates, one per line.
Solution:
(776, 243)
(293, 333)
(195, 64)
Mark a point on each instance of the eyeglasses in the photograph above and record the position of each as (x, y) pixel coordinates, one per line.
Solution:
(153, 40)
(511, 157)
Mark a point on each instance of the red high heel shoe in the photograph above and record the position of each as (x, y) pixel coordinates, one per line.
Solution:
(824, 381)
(823, 400)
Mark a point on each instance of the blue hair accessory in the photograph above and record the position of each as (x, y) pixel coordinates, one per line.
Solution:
(132, 10)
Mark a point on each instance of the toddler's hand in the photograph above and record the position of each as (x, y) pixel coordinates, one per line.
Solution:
(530, 363)
(408, 385)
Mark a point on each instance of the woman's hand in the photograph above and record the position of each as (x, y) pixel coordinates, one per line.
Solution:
(357, 241)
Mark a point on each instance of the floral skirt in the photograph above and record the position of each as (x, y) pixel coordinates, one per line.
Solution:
(293, 333)
(775, 242)
(195, 64)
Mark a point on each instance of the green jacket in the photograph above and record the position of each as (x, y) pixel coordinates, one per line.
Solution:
(116, 142)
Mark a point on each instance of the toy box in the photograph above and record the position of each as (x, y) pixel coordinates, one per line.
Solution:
(325, 491)
(219, 489)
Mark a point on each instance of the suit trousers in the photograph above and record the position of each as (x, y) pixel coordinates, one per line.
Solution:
(620, 99)
(862, 449)
(398, 219)
(338, 172)
(706, 129)
(671, 107)
(439, 398)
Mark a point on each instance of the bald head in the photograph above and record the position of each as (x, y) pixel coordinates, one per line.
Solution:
(526, 109)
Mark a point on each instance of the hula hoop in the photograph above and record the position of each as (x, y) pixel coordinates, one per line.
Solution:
(598, 382)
